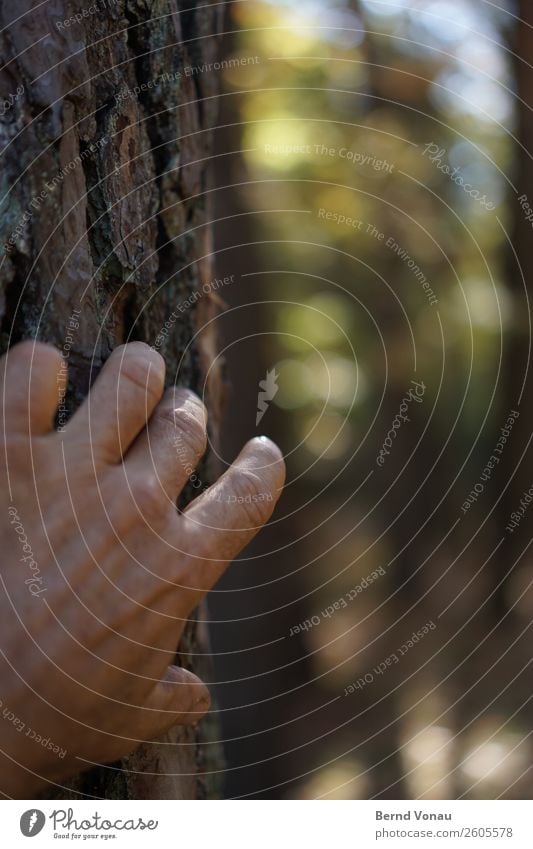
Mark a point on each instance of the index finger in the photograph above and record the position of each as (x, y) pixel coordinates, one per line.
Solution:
(222, 521)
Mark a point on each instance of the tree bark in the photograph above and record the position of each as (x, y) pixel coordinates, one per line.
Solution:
(105, 218)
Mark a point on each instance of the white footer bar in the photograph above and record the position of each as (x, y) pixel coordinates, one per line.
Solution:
(268, 824)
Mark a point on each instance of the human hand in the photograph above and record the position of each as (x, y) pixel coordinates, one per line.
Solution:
(98, 570)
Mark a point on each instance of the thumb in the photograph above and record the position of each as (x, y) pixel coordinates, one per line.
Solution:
(180, 698)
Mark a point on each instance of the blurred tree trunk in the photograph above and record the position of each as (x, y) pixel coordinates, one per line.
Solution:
(517, 471)
(105, 144)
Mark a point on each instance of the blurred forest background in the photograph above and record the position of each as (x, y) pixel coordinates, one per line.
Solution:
(412, 119)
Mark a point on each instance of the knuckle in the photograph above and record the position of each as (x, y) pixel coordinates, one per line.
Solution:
(190, 433)
(149, 498)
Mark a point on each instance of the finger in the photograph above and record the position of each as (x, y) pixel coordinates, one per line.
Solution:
(120, 402)
(218, 524)
(33, 377)
(172, 444)
(180, 698)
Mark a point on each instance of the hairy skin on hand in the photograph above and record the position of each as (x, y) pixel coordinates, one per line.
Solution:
(98, 570)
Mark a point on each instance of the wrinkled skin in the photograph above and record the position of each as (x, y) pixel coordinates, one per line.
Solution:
(99, 571)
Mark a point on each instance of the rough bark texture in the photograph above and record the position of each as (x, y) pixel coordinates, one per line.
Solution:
(104, 210)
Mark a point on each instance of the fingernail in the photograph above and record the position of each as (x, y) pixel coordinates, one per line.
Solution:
(203, 702)
(187, 399)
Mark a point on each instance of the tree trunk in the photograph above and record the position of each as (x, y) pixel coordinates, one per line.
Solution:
(104, 221)
(516, 473)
